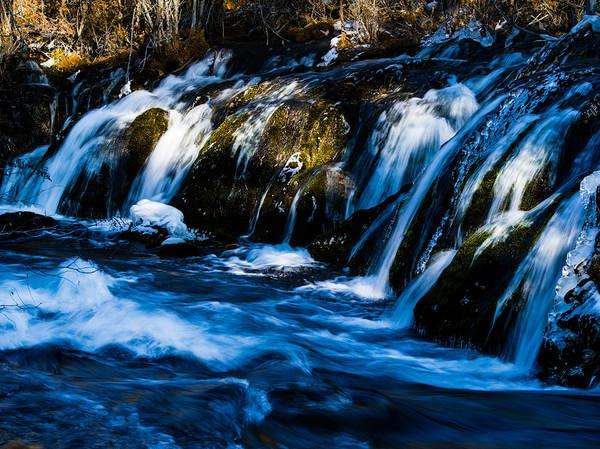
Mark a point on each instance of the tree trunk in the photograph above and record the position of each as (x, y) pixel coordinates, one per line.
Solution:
(591, 7)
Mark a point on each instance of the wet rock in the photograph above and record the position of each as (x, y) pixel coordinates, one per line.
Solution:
(314, 137)
(460, 307)
(104, 193)
(336, 245)
(570, 353)
(180, 249)
(222, 195)
(15, 222)
(150, 237)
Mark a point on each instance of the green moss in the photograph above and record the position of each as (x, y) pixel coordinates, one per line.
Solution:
(461, 306)
(221, 140)
(105, 193)
(247, 95)
(538, 188)
(317, 132)
(143, 135)
(477, 211)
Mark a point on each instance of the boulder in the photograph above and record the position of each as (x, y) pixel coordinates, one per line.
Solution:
(104, 193)
(16, 222)
(299, 137)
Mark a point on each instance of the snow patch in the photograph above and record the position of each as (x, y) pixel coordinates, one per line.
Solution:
(151, 214)
(332, 54)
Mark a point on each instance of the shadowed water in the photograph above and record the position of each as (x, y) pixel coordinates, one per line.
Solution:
(111, 348)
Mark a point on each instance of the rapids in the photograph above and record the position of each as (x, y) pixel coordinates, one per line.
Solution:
(121, 348)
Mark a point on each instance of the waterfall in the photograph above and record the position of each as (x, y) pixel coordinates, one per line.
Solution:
(379, 270)
(19, 172)
(539, 150)
(403, 312)
(408, 135)
(536, 279)
(248, 136)
(494, 155)
(173, 156)
(291, 221)
(88, 146)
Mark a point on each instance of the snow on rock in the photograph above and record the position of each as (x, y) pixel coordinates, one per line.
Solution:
(332, 54)
(125, 90)
(148, 215)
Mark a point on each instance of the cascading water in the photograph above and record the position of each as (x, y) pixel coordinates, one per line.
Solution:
(249, 135)
(403, 312)
(250, 344)
(87, 146)
(173, 156)
(380, 269)
(406, 138)
(535, 281)
(496, 153)
(291, 221)
(537, 153)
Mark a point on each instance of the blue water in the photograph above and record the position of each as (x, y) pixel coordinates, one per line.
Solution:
(105, 345)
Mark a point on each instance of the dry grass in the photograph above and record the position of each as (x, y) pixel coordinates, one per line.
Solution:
(77, 32)
(370, 17)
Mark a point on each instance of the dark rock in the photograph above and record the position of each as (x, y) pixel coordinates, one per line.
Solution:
(150, 237)
(180, 250)
(104, 193)
(15, 222)
(461, 305)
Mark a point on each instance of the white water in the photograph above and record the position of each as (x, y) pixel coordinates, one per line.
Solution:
(407, 137)
(291, 220)
(89, 145)
(494, 156)
(538, 150)
(173, 156)
(248, 136)
(536, 279)
(381, 268)
(86, 312)
(403, 313)
(261, 257)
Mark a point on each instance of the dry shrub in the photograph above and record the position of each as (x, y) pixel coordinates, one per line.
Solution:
(552, 16)
(67, 62)
(370, 17)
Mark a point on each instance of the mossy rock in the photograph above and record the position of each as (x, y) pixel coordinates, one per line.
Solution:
(321, 205)
(539, 188)
(142, 136)
(210, 197)
(104, 193)
(311, 32)
(247, 95)
(220, 199)
(335, 245)
(315, 133)
(460, 308)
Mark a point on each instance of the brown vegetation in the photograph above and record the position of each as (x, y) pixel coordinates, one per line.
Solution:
(74, 32)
